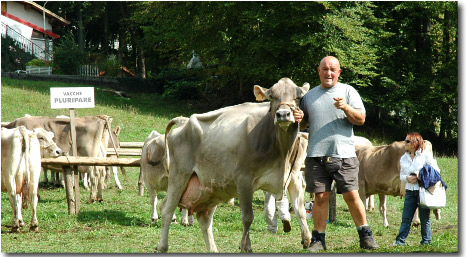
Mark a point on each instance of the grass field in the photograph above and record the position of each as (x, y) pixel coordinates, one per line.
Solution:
(121, 223)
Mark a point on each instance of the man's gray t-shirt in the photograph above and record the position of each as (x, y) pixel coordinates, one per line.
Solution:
(330, 130)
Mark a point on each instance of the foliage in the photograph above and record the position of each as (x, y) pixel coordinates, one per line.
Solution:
(67, 56)
(13, 57)
(121, 223)
(402, 57)
(36, 62)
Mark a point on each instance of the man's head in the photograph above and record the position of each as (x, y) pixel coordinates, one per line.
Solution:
(329, 70)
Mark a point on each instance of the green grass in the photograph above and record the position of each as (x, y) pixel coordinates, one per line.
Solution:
(121, 224)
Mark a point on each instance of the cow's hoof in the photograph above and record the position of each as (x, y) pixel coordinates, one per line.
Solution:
(21, 223)
(14, 229)
(90, 201)
(154, 220)
(34, 228)
(161, 249)
(287, 226)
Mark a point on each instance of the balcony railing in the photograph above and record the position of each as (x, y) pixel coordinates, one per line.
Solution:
(24, 43)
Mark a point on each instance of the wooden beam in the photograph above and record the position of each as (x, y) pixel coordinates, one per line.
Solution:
(132, 144)
(92, 161)
(125, 151)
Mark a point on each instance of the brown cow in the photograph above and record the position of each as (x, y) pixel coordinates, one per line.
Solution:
(232, 152)
(90, 131)
(379, 173)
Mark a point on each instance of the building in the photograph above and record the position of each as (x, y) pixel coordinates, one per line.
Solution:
(31, 25)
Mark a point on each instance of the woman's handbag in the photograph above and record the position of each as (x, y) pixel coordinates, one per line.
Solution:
(434, 197)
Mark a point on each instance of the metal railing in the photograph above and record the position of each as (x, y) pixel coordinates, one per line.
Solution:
(89, 70)
(24, 43)
(39, 70)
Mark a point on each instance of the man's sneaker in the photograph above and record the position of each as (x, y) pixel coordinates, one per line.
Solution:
(318, 242)
(286, 225)
(366, 239)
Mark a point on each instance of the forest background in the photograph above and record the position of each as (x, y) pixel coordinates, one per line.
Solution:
(402, 57)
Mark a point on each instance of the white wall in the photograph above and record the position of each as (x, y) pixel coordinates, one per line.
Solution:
(30, 15)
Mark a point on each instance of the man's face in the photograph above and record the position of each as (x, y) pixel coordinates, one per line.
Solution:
(329, 71)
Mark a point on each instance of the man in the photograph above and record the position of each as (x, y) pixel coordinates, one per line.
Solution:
(331, 109)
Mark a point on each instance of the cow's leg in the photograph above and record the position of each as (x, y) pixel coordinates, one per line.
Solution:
(177, 182)
(370, 203)
(19, 203)
(416, 219)
(117, 181)
(205, 223)
(100, 183)
(45, 180)
(383, 209)
(13, 197)
(85, 180)
(33, 196)
(153, 200)
(190, 218)
(161, 206)
(186, 220)
(245, 196)
(296, 191)
(93, 174)
(270, 212)
(284, 214)
(437, 213)
(140, 183)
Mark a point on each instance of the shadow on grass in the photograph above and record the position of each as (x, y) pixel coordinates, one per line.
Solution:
(110, 216)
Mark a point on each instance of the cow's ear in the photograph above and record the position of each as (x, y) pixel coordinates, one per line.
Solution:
(260, 93)
(305, 87)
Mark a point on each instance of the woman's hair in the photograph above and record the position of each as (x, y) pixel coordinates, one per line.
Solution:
(417, 140)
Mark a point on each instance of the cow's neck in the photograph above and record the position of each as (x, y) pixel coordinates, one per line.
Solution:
(278, 140)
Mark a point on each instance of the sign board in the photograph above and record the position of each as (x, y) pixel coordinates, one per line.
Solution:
(71, 97)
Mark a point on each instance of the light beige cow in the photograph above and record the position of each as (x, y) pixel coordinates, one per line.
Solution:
(232, 152)
(90, 132)
(154, 171)
(22, 150)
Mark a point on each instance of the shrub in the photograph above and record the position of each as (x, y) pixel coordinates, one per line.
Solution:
(13, 57)
(67, 56)
(36, 62)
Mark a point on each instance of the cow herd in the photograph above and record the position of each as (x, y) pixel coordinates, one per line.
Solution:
(200, 161)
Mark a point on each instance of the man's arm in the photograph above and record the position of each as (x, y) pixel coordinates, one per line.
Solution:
(355, 116)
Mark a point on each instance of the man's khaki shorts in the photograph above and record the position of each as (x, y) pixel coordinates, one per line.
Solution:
(321, 171)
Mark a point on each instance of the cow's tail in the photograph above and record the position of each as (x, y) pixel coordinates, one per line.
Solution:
(179, 121)
(25, 149)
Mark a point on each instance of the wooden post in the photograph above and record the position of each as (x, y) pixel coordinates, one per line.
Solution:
(75, 167)
(114, 145)
(332, 203)
(69, 189)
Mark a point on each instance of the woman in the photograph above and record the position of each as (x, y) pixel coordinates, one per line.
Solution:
(411, 163)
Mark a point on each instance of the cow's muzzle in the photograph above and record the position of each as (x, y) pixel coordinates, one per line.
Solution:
(284, 115)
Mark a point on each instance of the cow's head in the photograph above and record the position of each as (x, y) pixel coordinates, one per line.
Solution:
(48, 146)
(285, 97)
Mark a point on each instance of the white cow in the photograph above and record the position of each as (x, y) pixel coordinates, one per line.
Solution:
(296, 186)
(232, 152)
(21, 165)
(155, 174)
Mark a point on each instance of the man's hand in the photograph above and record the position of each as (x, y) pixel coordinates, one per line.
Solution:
(340, 103)
(298, 115)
